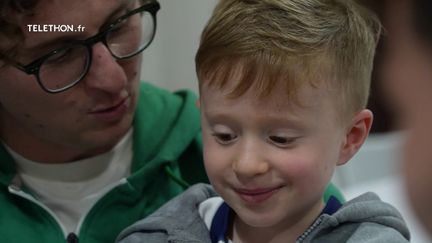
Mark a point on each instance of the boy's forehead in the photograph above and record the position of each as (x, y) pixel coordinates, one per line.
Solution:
(283, 90)
(277, 109)
(305, 96)
(284, 75)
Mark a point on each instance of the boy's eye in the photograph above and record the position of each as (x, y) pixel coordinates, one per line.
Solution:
(281, 141)
(224, 138)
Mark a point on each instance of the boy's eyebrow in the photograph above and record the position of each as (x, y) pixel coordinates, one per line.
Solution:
(268, 119)
(214, 117)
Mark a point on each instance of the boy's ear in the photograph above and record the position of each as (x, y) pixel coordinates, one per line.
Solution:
(355, 135)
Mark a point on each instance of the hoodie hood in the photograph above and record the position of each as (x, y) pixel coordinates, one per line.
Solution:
(168, 126)
(360, 218)
(177, 221)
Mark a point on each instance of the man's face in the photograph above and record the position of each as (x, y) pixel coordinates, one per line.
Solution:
(84, 120)
(408, 75)
(261, 155)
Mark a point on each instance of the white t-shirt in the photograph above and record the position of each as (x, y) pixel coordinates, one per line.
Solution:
(69, 190)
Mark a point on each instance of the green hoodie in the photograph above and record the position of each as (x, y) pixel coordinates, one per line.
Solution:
(167, 156)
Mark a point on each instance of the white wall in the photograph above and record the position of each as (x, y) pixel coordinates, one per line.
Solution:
(169, 61)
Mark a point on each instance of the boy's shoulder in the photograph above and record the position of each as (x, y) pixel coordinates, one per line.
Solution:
(178, 219)
(363, 219)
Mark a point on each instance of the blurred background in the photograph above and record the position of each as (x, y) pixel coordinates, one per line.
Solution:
(169, 63)
(169, 60)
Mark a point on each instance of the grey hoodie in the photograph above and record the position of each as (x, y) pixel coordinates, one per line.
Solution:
(365, 219)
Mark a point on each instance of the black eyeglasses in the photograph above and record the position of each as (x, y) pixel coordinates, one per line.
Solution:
(126, 37)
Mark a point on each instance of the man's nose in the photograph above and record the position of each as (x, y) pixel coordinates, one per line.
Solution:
(105, 73)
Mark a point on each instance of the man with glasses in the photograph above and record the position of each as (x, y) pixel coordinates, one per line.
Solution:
(86, 148)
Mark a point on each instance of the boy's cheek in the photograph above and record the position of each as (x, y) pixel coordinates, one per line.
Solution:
(307, 172)
(298, 169)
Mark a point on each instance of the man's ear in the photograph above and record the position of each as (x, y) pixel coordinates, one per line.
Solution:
(355, 135)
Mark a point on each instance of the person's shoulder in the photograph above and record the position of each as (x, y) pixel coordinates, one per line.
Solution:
(186, 203)
(373, 232)
(368, 206)
(189, 199)
(178, 219)
(372, 219)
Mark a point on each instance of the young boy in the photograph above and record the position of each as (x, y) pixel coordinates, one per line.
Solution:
(283, 86)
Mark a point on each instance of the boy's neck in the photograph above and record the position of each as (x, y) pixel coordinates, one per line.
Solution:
(286, 231)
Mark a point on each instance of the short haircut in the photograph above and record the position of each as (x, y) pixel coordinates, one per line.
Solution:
(291, 41)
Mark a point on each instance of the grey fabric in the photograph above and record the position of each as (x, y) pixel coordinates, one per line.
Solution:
(177, 221)
(365, 219)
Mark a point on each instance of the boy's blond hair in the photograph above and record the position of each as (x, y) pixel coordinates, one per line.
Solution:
(294, 41)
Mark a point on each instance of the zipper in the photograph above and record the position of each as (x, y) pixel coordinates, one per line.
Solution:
(309, 230)
(72, 238)
(15, 188)
(108, 189)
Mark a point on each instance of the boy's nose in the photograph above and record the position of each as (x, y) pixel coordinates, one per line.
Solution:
(248, 164)
(105, 73)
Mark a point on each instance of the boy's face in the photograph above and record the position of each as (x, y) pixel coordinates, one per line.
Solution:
(269, 158)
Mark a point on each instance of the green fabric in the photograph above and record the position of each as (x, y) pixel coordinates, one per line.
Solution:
(332, 190)
(166, 135)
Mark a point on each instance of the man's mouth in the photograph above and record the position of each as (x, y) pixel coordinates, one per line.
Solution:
(112, 113)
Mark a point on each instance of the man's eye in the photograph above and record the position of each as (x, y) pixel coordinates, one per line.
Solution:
(59, 56)
(224, 138)
(120, 26)
(281, 141)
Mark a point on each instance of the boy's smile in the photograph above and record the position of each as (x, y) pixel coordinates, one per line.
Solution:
(257, 195)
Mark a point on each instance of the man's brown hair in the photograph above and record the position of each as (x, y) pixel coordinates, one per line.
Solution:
(10, 33)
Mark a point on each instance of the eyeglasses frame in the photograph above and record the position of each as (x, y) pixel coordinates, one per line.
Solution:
(33, 67)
